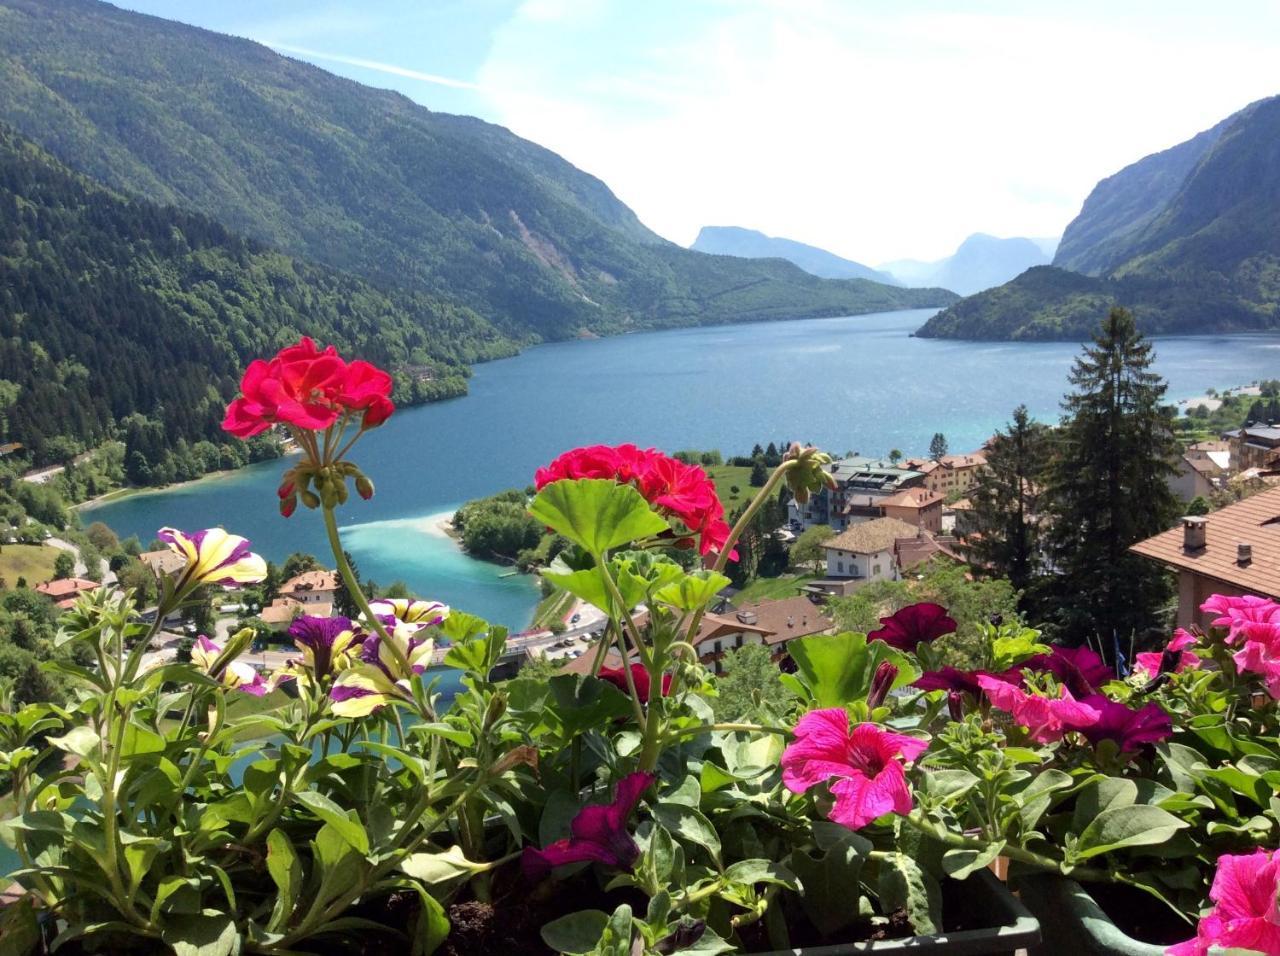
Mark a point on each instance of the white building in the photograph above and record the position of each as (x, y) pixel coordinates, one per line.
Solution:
(867, 551)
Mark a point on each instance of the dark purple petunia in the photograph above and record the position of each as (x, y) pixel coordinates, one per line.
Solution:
(881, 684)
(1079, 669)
(599, 833)
(950, 679)
(914, 625)
(1130, 729)
(322, 640)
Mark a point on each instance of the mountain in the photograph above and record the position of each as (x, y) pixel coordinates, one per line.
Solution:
(114, 309)
(750, 244)
(368, 182)
(981, 262)
(1189, 239)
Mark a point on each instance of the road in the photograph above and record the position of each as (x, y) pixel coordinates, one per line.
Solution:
(41, 475)
(108, 576)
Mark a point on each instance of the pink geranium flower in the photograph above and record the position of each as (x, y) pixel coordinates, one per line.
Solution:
(1079, 669)
(1246, 914)
(912, 626)
(599, 833)
(865, 762)
(1174, 659)
(1046, 719)
(1130, 729)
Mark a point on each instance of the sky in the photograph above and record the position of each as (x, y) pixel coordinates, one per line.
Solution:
(878, 129)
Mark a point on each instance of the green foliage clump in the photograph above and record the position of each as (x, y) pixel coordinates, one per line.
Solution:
(498, 526)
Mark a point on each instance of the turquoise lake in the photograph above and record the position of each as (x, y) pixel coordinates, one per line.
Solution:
(859, 383)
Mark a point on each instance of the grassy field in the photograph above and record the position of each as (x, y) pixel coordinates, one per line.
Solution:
(553, 607)
(31, 561)
(728, 477)
(772, 589)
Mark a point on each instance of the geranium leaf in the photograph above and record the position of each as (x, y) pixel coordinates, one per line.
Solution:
(837, 669)
(596, 514)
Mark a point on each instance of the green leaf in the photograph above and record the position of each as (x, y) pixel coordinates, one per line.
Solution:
(692, 591)
(587, 585)
(959, 863)
(207, 934)
(1103, 794)
(81, 741)
(19, 929)
(433, 868)
(903, 883)
(837, 669)
(349, 829)
(431, 928)
(829, 880)
(596, 514)
(750, 872)
(575, 934)
(690, 825)
(1122, 826)
(286, 873)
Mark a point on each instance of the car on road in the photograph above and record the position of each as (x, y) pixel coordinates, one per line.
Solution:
(575, 619)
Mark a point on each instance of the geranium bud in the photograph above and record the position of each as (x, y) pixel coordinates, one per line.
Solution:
(364, 487)
(955, 705)
(288, 506)
(881, 683)
(808, 474)
(310, 499)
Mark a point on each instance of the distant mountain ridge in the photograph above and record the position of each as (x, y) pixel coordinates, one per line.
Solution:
(370, 183)
(1188, 238)
(750, 244)
(981, 261)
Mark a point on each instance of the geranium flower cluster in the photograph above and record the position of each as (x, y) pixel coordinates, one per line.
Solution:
(1253, 624)
(679, 491)
(309, 389)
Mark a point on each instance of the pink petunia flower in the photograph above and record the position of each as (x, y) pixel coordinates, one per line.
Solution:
(1046, 719)
(913, 625)
(951, 679)
(1130, 729)
(866, 763)
(1246, 914)
(598, 833)
(1244, 616)
(1262, 656)
(1174, 659)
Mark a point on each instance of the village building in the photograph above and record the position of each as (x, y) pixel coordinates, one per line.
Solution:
(1255, 446)
(1196, 478)
(770, 623)
(64, 591)
(862, 485)
(916, 506)
(951, 474)
(1233, 551)
(312, 592)
(163, 562)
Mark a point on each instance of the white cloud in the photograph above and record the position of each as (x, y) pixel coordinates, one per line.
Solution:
(878, 131)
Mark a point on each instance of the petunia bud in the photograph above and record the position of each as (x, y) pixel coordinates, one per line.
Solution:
(955, 705)
(881, 684)
(364, 487)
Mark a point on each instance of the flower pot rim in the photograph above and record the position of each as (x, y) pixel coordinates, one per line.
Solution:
(1017, 929)
(1093, 920)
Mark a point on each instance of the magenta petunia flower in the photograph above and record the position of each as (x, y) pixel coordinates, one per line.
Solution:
(1246, 912)
(865, 762)
(1079, 669)
(1046, 719)
(1130, 729)
(913, 625)
(948, 678)
(1174, 659)
(598, 833)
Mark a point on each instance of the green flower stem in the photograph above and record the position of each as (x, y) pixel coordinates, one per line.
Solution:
(728, 728)
(1086, 873)
(357, 596)
(616, 597)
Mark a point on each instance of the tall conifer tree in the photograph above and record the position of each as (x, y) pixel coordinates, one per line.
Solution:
(1002, 531)
(1108, 488)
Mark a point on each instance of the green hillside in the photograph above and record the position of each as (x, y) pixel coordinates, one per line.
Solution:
(1188, 239)
(113, 307)
(366, 181)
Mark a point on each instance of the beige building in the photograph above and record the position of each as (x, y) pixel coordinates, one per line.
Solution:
(916, 506)
(950, 474)
(1233, 551)
(312, 592)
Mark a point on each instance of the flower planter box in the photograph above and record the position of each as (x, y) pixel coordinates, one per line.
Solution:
(1004, 926)
(1076, 922)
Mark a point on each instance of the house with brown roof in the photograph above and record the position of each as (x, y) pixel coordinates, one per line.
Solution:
(1234, 551)
(770, 623)
(916, 506)
(64, 591)
(1195, 478)
(950, 474)
(312, 593)
(163, 562)
(866, 551)
(1254, 446)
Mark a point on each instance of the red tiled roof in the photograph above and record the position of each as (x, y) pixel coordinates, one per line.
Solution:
(918, 498)
(66, 587)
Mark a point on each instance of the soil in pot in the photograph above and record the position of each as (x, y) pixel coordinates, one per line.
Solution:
(1139, 915)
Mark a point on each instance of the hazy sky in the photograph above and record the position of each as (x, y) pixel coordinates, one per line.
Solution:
(874, 128)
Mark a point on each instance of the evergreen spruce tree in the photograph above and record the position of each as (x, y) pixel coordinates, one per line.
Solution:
(1002, 529)
(938, 446)
(1107, 488)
